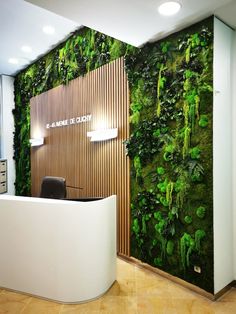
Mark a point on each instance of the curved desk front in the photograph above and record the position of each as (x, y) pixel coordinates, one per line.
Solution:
(57, 249)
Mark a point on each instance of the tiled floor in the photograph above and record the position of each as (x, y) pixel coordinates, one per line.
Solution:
(136, 291)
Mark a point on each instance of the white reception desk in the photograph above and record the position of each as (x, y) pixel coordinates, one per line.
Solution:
(57, 249)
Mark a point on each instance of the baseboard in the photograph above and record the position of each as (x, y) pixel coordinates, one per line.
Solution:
(183, 283)
(225, 289)
(234, 283)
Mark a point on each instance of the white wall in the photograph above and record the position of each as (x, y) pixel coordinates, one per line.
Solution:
(234, 144)
(222, 157)
(7, 128)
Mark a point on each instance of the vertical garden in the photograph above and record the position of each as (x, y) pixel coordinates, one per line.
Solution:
(170, 146)
(171, 152)
(84, 51)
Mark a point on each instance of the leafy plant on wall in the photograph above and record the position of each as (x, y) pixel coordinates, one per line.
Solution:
(171, 153)
(84, 51)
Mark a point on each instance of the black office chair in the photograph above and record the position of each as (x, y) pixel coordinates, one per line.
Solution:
(53, 187)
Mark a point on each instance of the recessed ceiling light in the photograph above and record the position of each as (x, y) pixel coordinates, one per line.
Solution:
(169, 8)
(49, 30)
(27, 49)
(13, 60)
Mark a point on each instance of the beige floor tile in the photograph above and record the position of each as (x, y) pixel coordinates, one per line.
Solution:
(229, 296)
(13, 303)
(224, 308)
(179, 292)
(115, 290)
(136, 291)
(40, 306)
(125, 270)
(126, 287)
(148, 284)
(126, 305)
(157, 305)
(126, 283)
(122, 288)
(152, 305)
(226, 304)
(92, 307)
(191, 306)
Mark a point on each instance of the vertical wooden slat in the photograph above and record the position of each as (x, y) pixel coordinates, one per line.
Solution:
(100, 168)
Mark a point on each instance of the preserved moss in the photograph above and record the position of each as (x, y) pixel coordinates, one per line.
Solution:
(177, 166)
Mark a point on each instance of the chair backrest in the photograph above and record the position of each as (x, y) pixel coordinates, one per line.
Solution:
(53, 187)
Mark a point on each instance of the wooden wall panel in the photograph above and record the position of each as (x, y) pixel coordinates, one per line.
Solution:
(90, 168)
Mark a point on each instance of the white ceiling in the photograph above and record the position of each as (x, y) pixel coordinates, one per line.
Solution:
(21, 24)
(132, 21)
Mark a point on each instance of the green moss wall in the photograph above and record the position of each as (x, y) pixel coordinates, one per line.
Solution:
(171, 154)
(170, 146)
(84, 51)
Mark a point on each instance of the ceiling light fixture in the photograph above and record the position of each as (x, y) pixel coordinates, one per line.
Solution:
(13, 61)
(48, 30)
(26, 49)
(169, 8)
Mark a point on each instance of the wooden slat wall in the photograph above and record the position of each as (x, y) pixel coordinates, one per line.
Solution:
(100, 169)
